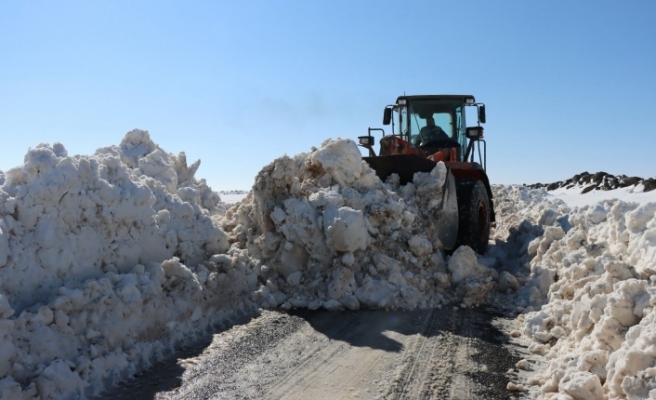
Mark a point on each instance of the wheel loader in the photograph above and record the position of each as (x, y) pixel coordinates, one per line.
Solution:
(432, 129)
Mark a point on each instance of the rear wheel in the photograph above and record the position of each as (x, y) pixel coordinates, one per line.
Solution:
(473, 214)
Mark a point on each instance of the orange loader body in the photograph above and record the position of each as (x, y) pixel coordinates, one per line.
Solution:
(394, 145)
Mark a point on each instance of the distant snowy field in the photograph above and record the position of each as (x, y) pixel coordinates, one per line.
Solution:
(232, 196)
(108, 261)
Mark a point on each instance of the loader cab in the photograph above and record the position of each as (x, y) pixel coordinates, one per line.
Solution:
(412, 114)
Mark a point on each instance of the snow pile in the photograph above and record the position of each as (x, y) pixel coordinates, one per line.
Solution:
(592, 280)
(105, 262)
(326, 232)
(67, 218)
(523, 215)
(108, 261)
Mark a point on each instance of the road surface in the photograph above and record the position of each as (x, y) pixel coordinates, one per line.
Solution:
(447, 353)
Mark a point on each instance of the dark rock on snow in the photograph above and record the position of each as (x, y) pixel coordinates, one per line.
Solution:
(598, 181)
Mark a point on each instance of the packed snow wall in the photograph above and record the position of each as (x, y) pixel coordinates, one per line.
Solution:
(73, 218)
(106, 261)
(109, 260)
(590, 292)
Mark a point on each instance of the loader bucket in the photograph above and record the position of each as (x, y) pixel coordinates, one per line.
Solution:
(403, 164)
(406, 165)
(447, 218)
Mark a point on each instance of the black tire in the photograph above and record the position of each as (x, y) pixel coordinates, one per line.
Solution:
(473, 214)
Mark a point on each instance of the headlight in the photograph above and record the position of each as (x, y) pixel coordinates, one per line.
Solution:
(366, 140)
(475, 132)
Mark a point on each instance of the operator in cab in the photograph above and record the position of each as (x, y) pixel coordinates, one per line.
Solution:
(429, 133)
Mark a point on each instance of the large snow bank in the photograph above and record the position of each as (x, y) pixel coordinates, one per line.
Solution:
(326, 232)
(105, 262)
(109, 260)
(590, 291)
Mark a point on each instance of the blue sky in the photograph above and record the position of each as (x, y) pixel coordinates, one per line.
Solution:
(569, 86)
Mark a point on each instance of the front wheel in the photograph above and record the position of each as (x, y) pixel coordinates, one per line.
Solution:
(473, 214)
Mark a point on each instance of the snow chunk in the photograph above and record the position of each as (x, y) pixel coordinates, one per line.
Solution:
(582, 386)
(341, 159)
(463, 264)
(345, 228)
(420, 246)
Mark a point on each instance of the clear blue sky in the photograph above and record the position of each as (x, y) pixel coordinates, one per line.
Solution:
(569, 85)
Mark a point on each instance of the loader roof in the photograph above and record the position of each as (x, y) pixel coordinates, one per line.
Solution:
(461, 97)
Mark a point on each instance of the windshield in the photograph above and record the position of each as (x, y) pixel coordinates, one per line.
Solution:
(447, 114)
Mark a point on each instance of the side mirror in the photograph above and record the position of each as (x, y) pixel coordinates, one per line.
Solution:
(387, 116)
(481, 114)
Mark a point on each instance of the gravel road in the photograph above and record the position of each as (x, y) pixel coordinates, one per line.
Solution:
(447, 353)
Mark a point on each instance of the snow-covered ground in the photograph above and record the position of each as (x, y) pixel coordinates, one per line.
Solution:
(110, 260)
